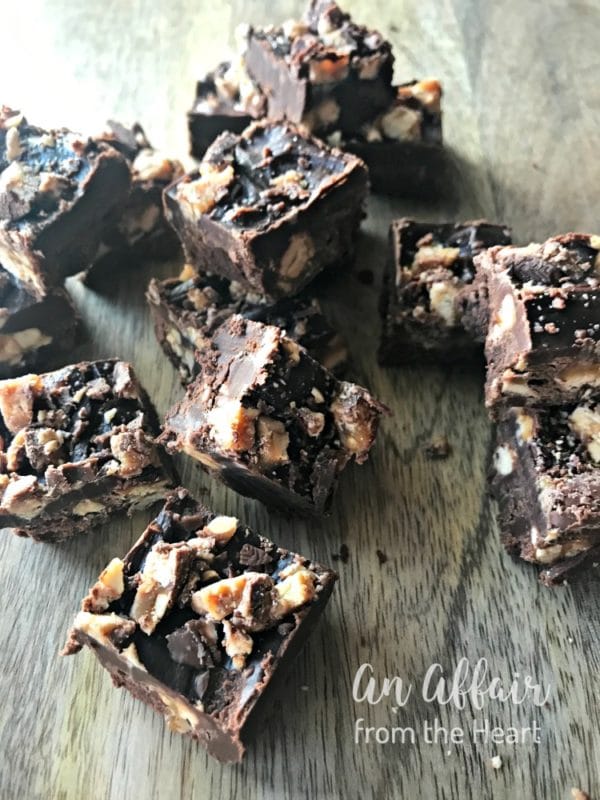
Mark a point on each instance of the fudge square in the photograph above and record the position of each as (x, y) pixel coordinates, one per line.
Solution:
(428, 290)
(402, 146)
(270, 421)
(227, 99)
(33, 330)
(57, 192)
(324, 71)
(139, 230)
(201, 620)
(269, 208)
(543, 342)
(186, 312)
(77, 446)
(546, 478)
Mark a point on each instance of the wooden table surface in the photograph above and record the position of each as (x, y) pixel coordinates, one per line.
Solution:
(522, 110)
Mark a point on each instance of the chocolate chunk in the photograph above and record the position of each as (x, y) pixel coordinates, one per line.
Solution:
(191, 646)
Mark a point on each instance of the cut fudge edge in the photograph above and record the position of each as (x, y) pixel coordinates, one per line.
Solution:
(511, 325)
(509, 468)
(143, 686)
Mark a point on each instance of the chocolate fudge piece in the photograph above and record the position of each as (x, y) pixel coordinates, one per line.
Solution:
(227, 99)
(57, 193)
(269, 208)
(546, 477)
(324, 71)
(427, 284)
(138, 232)
(269, 420)
(402, 146)
(201, 620)
(76, 446)
(186, 313)
(33, 330)
(543, 342)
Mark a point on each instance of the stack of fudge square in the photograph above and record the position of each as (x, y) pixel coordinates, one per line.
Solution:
(202, 616)
(334, 77)
(454, 291)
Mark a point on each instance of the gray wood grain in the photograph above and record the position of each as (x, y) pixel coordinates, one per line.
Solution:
(522, 101)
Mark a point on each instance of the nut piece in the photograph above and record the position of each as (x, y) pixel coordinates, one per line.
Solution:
(313, 421)
(124, 382)
(13, 144)
(299, 252)
(233, 426)
(222, 528)
(442, 298)
(237, 644)
(16, 401)
(580, 374)
(205, 192)
(585, 422)
(504, 460)
(110, 630)
(273, 442)
(356, 418)
(109, 587)
(433, 257)
(220, 599)
(505, 318)
(165, 569)
(134, 451)
(401, 123)
(150, 165)
(525, 426)
(294, 591)
(21, 497)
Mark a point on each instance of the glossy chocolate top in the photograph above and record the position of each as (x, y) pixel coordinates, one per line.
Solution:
(269, 171)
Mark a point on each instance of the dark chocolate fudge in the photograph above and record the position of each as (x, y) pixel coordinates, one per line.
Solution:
(324, 71)
(57, 194)
(76, 446)
(270, 208)
(543, 342)
(546, 478)
(186, 313)
(33, 330)
(138, 232)
(227, 99)
(402, 146)
(269, 420)
(201, 620)
(428, 290)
